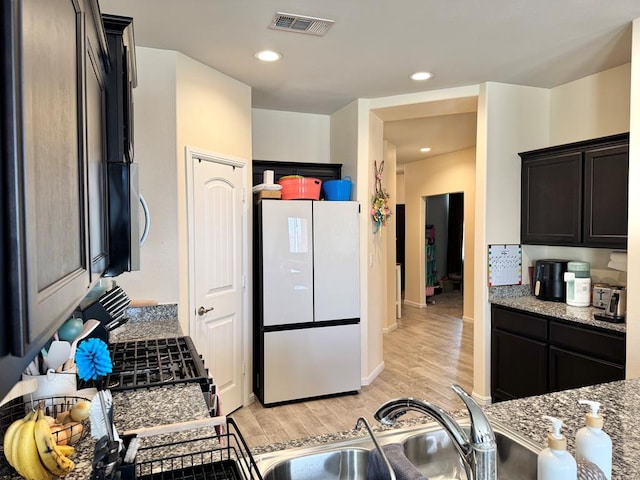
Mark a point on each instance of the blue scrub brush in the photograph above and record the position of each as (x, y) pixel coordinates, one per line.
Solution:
(93, 361)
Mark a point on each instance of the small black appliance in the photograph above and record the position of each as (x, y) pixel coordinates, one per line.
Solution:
(549, 280)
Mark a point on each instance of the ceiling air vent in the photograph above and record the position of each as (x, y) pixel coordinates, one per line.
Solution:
(300, 24)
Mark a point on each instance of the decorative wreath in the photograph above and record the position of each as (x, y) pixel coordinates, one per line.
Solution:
(380, 211)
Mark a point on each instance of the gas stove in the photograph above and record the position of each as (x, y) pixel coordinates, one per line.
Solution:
(158, 362)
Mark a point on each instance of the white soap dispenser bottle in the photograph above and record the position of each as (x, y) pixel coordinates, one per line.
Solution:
(592, 443)
(554, 462)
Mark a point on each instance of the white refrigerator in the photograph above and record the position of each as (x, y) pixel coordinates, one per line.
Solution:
(307, 308)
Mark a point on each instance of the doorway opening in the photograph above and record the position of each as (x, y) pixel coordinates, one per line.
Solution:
(444, 247)
(400, 242)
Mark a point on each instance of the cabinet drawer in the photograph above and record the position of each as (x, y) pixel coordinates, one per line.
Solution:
(515, 322)
(609, 346)
(573, 370)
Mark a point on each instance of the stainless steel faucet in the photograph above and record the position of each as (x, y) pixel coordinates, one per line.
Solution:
(477, 450)
(363, 421)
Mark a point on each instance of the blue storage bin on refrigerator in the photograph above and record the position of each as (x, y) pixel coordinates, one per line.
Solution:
(337, 190)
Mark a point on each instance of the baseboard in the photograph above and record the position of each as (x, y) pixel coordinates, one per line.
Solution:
(372, 376)
(390, 328)
(415, 304)
(482, 400)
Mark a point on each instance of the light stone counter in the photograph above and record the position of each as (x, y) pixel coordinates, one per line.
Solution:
(620, 406)
(148, 407)
(520, 299)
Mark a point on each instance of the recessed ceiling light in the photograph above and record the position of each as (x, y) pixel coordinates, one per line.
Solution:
(268, 56)
(425, 149)
(421, 76)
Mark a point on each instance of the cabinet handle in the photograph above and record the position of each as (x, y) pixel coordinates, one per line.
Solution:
(202, 310)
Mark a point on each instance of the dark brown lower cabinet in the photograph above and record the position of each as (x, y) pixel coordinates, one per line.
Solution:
(519, 366)
(533, 354)
(572, 370)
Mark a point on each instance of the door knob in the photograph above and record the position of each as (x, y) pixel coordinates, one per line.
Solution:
(202, 310)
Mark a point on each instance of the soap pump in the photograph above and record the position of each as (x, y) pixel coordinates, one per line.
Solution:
(555, 462)
(592, 443)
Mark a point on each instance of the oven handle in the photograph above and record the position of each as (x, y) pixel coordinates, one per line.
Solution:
(147, 220)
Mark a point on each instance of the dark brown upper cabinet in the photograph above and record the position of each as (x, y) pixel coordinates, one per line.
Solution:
(52, 117)
(606, 189)
(121, 81)
(576, 194)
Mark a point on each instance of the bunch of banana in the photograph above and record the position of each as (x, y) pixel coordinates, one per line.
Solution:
(31, 449)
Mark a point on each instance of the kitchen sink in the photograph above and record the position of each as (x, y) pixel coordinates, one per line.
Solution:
(437, 458)
(345, 463)
(428, 447)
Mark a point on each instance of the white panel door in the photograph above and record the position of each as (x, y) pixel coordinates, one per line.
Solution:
(287, 262)
(336, 249)
(310, 362)
(217, 205)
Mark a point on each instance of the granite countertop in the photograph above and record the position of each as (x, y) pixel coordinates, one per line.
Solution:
(520, 299)
(177, 403)
(147, 323)
(145, 407)
(620, 404)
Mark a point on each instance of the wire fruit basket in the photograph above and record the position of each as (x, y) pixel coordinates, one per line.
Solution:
(54, 407)
(223, 455)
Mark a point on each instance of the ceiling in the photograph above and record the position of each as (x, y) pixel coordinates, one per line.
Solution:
(370, 52)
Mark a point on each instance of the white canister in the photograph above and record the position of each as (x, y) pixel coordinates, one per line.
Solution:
(267, 177)
(578, 287)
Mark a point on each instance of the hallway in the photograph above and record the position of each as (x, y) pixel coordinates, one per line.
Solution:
(431, 349)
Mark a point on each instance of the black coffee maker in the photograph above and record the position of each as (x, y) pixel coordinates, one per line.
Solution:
(548, 280)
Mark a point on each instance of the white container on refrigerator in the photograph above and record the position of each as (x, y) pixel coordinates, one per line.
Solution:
(307, 341)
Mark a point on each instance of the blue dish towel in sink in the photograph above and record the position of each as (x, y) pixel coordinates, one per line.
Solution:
(402, 467)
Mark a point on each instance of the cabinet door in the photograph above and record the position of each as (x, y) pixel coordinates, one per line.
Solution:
(551, 212)
(606, 196)
(336, 262)
(311, 362)
(573, 370)
(122, 79)
(518, 366)
(287, 262)
(607, 345)
(96, 171)
(57, 273)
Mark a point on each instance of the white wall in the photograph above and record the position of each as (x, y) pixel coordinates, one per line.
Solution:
(213, 115)
(155, 146)
(400, 191)
(291, 136)
(511, 119)
(591, 107)
(344, 141)
(180, 102)
(376, 251)
(633, 262)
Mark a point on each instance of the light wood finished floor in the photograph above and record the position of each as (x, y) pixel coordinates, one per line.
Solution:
(431, 349)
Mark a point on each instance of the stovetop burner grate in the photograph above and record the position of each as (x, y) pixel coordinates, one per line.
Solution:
(148, 363)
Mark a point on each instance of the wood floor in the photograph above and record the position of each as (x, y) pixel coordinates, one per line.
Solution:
(431, 349)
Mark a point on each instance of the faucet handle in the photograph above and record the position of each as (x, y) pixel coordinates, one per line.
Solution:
(481, 431)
